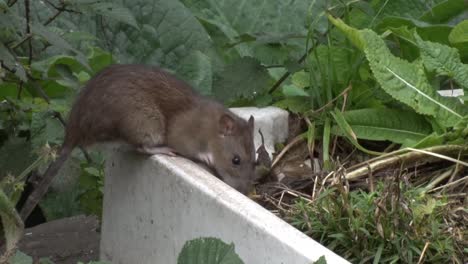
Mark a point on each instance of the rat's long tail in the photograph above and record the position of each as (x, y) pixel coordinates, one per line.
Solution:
(46, 179)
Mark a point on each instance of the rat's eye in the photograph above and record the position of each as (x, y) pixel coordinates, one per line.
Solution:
(236, 160)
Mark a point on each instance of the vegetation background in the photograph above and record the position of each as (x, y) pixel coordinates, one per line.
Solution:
(362, 72)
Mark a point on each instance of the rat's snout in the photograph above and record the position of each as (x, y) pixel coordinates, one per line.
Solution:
(243, 186)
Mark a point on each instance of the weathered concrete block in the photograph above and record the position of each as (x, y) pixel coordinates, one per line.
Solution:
(152, 206)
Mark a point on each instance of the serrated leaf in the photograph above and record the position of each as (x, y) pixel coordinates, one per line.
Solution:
(246, 77)
(459, 33)
(404, 81)
(387, 124)
(208, 251)
(443, 60)
(408, 83)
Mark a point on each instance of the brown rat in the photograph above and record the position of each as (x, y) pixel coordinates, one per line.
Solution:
(154, 112)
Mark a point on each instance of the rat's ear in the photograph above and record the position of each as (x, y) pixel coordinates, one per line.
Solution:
(251, 123)
(226, 125)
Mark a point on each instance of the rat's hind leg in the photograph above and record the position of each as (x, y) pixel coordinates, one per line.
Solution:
(157, 150)
(146, 134)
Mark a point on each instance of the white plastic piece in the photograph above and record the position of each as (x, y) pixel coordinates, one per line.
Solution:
(272, 121)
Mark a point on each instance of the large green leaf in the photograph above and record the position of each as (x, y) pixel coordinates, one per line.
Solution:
(444, 11)
(387, 124)
(197, 70)
(437, 33)
(244, 78)
(404, 8)
(208, 251)
(404, 81)
(444, 60)
(459, 33)
(110, 10)
(458, 37)
(262, 23)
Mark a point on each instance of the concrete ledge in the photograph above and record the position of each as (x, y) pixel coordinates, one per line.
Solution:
(152, 206)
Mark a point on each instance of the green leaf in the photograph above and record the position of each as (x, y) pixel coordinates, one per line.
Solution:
(300, 79)
(411, 9)
(387, 124)
(321, 260)
(246, 77)
(208, 251)
(49, 65)
(443, 60)
(45, 129)
(9, 60)
(115, 12)
(169, 33)
(292, 90)
(99, 59)
(436, 33)
(444, 11)
(275, 21)
(11, 222)
(348, 132)
(378, 254)
(296, 104)
(21, 258)
(407, 83)
(404, 81)
(459, 33)
(196, 70)
(334, 63)
(56, 40)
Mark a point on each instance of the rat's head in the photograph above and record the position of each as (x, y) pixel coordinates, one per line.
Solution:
(233, 152)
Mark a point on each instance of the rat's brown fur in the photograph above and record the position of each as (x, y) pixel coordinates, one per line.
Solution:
(148, 108)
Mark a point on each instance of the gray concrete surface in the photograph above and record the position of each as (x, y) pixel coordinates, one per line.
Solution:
(153, 205)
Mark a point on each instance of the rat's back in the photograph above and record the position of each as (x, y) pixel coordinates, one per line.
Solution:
(130, 103)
